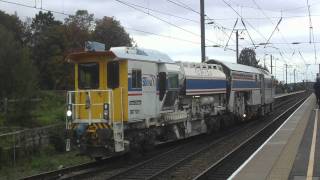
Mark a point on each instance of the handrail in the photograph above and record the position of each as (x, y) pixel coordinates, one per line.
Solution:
(92, 90)
(73, 98)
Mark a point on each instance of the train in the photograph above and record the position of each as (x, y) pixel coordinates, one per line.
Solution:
(130, 98)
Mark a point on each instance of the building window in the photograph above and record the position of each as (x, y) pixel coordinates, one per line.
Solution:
(88, 75)
(136, 78)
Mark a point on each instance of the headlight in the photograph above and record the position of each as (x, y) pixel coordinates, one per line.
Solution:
(244, 115)
(69, 113)
(106, 111)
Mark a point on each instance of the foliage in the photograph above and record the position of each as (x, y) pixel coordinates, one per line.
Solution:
(82, 19)
(248, 57)
(51, 40)
(111, 33)
(46, 160)
(50, 109)
(79, 28)
(49, 44)
(21, 81)
(57, 139)
(42, 21)
(32, 56)
(13, 24)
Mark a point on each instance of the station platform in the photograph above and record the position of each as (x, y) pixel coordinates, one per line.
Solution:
(292, 152)
(287, 94)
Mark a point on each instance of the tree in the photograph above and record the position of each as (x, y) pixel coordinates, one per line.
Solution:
(19, 80)
(79, 28)
(48, 53)
(43, 20)
(13, 24)
(111, 33)
(49, 44)
(248, 57)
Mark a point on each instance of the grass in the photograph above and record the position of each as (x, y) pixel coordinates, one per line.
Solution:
(50, 109)
(45, 109)
(47, 160)
(1, 119)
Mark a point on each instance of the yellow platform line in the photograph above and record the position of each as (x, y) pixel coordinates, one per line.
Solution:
(313, 148)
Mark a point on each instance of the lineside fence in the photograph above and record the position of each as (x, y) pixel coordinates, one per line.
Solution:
(24, 143)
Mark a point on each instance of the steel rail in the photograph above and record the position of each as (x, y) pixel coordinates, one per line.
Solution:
(158, 165)
(260, 137)
(94, 166)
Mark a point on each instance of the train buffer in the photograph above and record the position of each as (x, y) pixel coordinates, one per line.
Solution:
(292, 152)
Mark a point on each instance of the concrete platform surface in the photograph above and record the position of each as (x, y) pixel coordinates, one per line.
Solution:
(287, 94)
(292, 152)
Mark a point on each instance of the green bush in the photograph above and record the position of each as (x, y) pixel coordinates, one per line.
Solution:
(50, 109)
(58, 142)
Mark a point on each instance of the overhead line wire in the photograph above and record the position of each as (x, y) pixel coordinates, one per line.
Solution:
(311, 35)
(302, 58)
(248, 32)
(186, 6)
(161, 35)
(183, 5)
(66, 14)
(34, 7)
(264, 18)
(272, 10)
(160, 19)
(244, 23)
(277, 26)
(229, 5)
(164, 13)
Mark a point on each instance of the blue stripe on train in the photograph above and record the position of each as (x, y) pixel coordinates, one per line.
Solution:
(205, 84)
(244, 84)
(192, 84)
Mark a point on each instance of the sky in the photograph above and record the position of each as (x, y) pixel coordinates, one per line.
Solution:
(173, 27)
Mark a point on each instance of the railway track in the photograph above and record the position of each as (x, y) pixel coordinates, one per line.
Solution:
(111, 163)
(155, 166)
(58, 174)
(161, 165)
(224, 167)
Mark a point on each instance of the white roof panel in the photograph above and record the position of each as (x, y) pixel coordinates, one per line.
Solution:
(141, 54)
(202, 70)
(240, 67)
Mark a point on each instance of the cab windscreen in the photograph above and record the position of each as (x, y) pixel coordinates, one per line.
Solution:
(88, 74)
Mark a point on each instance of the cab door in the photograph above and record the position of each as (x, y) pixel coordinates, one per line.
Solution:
(149, 89)
(88, 82)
